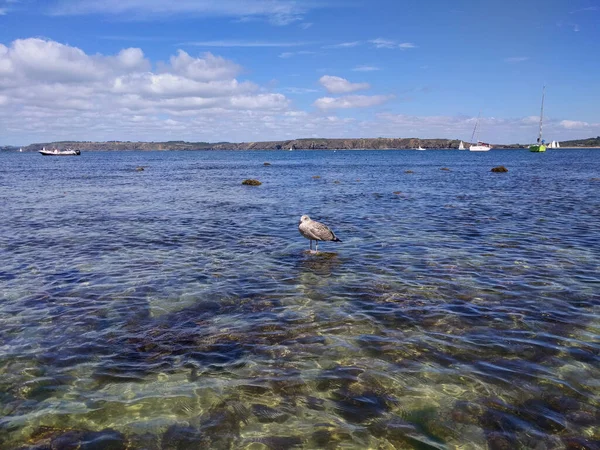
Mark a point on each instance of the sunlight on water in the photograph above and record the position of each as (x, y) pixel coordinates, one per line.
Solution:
(175, 308)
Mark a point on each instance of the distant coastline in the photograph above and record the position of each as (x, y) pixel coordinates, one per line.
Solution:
(293, 144)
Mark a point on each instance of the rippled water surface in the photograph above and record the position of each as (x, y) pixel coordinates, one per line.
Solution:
(174, 308)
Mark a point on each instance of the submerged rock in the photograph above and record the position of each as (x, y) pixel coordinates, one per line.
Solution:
(182, 437)
(50, 438)
(409, 171)
(266, 414)
(139, 169)
(499, 169)
(108, 439)
(267, 164)
(446, 169)
(251, 182)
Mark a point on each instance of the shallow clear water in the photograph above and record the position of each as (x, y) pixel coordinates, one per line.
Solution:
(175, 308)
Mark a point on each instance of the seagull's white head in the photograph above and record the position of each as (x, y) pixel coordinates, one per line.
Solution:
(304, 218)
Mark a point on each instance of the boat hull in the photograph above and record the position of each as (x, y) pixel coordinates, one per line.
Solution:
(479, 148)
(63, 153)
(537, 148)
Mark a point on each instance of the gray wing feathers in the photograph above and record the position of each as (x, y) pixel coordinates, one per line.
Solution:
(320, 232)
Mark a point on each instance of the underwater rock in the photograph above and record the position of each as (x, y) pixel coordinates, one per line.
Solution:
(251, 182)
(220, 427)
(499, 169)
(446, 169)
(338, 377)
(467, 412)
(278, 442)
(139, 169)
(183, 437)
(316, 177)
(267, 164)
(580, 443)
(266, 414)
(501, 441)
(107, 439)
(537, 412)
(409, 171)
(336, 182)
(314, 403)
(582, 418)
(327, 436)
(361, 406)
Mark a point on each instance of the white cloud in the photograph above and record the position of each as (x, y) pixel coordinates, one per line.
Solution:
(237, 43)
(365, 69)
(573, 124)
(338, 85)
(277, 12)
(296, 90)
(208, 68)
(388, 43)
(58, 91)
(351, 101)
(589, 8)
(285, 55)
(344, 45)
(516, 59)
(383, 43)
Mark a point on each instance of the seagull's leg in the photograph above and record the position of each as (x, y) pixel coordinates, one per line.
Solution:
(310, 244)
(317, 246)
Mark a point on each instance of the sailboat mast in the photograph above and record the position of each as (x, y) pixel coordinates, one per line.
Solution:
(542, 115)
(475, 129)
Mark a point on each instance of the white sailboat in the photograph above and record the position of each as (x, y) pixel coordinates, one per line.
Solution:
(554, 144)
(461, 146)
(481, 146)
(420, 148)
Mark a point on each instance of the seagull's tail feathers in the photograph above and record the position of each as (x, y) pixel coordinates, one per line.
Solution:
(336, 239)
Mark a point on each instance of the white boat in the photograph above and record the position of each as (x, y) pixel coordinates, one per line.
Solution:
(481, 146)
(554, 144)
(57, 152)
(461, 146)
(420, 148)
(21, 150)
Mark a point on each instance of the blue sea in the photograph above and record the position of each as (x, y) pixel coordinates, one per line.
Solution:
(173, 307)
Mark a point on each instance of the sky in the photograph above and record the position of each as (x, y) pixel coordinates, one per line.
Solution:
(260, 70)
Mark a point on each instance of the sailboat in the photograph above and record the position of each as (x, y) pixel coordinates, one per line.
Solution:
(420, 148)
(554, 144)
(539, 146)
(461, 146)
(481, 146)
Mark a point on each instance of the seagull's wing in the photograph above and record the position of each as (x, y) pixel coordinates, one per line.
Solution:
(321, 232)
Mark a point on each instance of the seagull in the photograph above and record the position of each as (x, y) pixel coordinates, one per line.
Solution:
(315, 231)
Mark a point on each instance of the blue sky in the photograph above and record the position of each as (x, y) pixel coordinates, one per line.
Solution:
(234, 70)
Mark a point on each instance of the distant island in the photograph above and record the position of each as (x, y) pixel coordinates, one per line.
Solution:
(294, 144)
